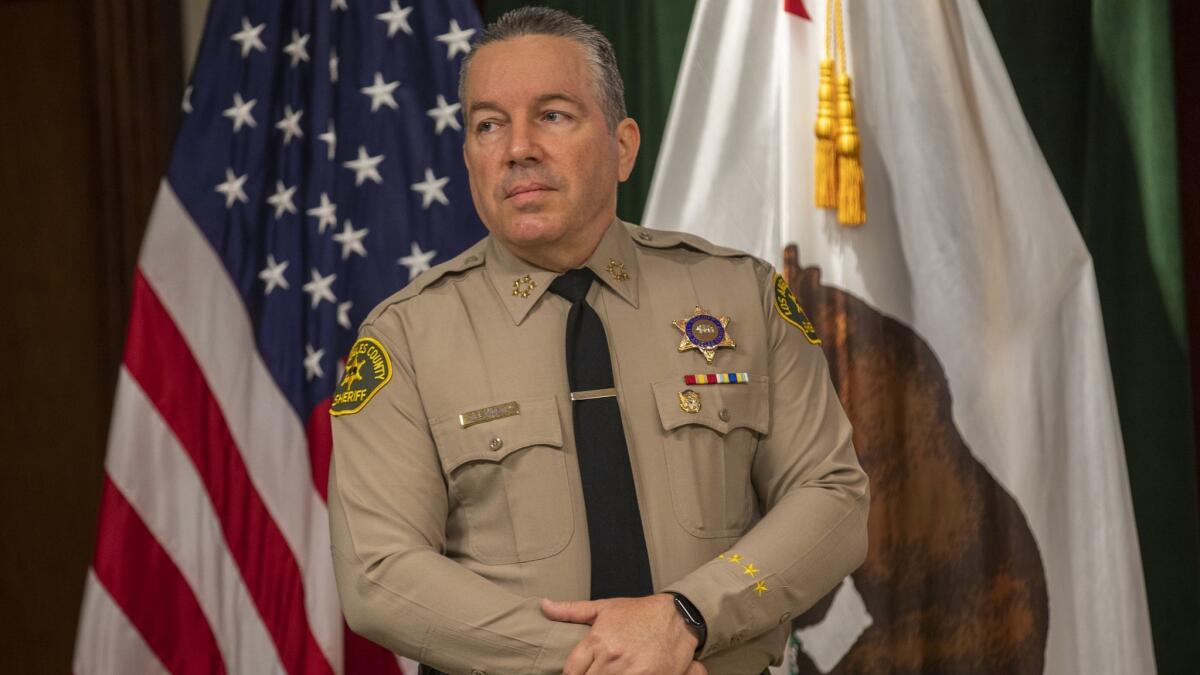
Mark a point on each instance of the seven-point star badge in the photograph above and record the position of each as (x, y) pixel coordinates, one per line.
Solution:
(705, 333)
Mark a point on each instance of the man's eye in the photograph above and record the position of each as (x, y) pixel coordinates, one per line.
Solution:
(485, 127)
(554, 116)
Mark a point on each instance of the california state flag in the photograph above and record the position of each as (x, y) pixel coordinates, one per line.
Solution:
(962, 327)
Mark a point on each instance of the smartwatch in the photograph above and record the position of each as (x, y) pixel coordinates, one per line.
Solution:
(693, 619)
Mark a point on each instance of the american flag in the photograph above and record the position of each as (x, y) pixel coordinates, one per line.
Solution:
(317, 170)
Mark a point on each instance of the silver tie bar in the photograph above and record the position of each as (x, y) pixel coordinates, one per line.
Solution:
(593, 393)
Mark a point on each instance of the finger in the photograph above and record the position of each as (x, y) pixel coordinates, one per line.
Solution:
(579, 660)
(696, 668)
(579, 611)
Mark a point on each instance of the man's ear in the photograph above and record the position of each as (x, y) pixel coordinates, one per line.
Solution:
(629, 139)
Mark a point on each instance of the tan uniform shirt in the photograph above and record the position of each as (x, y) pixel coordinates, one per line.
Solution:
(446, 533)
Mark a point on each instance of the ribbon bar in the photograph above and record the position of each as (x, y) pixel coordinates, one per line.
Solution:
(717, 378)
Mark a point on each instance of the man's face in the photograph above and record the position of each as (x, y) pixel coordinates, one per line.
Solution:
(543, 164)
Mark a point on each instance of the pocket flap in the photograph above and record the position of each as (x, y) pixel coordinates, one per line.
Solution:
(722, 406)
(537, 423)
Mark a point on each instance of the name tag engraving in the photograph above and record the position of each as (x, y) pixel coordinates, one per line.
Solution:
(494, 412)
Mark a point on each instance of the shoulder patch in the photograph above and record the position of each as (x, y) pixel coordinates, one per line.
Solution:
(790, 310)
(368, 368)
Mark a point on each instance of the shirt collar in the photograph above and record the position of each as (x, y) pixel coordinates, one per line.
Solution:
(520, 284)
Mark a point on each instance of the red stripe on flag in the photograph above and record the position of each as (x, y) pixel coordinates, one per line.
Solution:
(796, 7)
(364, 657)
(158, 357)
(320, 446)
(151, 591)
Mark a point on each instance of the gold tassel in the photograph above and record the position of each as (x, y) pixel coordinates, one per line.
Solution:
(825, 160)
(851, 200)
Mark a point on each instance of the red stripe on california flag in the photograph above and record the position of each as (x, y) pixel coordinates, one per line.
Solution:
(320, 446)
(158, 357)
(151, 591)
(796, 7)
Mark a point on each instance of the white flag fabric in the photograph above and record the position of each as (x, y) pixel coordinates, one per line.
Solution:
(963, 329)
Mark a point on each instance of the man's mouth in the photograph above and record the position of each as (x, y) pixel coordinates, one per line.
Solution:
(525, 188)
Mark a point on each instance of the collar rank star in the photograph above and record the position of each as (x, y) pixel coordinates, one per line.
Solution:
(705, 333)
(616, 269)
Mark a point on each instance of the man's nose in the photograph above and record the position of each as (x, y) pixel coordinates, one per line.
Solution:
(523, 146)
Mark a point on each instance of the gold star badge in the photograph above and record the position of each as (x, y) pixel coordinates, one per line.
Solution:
(735, 558)
(760, 588)
(705, 333)
(751, 570)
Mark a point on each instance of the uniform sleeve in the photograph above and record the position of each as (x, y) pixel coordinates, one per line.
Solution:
(812, 490)
(387, 517)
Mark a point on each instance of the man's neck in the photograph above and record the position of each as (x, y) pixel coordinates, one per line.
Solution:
(565, 255)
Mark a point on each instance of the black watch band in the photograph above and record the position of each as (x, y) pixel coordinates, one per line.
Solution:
(693, 618)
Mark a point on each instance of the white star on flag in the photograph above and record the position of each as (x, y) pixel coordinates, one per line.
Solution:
(232, 188)
(396, 18)
(312, 362)
(320, 288)
(431, 189)
(445, 115)
(187, 100)
(351, 240)
(272, 275)
(326, 213)
(330, 139)
(248, 37)
(365, 167)
(239, 112)
(381, 93)
(290, 124)
(417, 261)
(333, 65)
(343, 314)
(282, 199)
(338, 4)
(297, 48)
(456, 39)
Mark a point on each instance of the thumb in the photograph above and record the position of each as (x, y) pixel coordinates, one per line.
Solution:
(577, 611)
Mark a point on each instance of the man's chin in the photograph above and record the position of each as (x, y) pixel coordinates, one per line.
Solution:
(532, 229)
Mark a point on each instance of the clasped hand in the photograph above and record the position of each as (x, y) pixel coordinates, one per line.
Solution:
(629, 636)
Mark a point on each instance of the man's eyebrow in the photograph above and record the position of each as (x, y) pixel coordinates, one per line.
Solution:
(483, 105)
(544, 98)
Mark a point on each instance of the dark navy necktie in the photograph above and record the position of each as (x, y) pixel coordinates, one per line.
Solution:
(620, 564)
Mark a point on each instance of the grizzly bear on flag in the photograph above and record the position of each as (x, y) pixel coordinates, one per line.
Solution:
(953, 580)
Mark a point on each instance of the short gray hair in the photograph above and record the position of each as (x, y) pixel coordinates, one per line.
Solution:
(523, 21)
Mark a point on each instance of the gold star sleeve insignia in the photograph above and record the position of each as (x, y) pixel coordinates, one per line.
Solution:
(735, 558)
(751, 570)
(760, 588)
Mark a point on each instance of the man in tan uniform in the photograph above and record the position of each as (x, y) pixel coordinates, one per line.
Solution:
(464, 500)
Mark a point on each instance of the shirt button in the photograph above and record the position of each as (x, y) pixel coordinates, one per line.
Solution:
(471, 259)
(644, 236)
(724, 415)
(784, 617)
(496, 443)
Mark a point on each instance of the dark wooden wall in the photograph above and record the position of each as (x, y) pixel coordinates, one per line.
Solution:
(90, 90)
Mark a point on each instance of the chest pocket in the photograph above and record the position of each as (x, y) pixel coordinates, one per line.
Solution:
(710, 451)
(510, 499)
